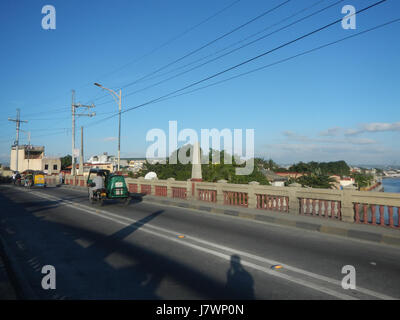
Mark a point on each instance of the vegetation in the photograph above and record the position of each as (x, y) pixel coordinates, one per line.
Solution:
(322, 168)
(319, 181)
(211, 172)
(66, 161)
(363, 180)
(268, 165)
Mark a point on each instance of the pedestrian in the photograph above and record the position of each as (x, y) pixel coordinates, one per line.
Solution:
(61, 178)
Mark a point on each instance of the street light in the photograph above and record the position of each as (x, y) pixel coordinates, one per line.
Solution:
(118, 100)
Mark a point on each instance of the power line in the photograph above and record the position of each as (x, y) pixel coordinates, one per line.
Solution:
(236, 49)
(210, 42)
(180, 35)
(237, 42)
(277, 62)
(241, 64)
(173, 39)
(248, 37)
(291, 57)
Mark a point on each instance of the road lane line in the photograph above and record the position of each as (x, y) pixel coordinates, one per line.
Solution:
(116, 218)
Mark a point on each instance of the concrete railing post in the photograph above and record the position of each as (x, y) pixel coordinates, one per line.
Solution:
(220, 192)
(190, 189)
(347, 206)
(152, 187)
(251, 194)
(169, 187)
(139, 184)
(294, 204)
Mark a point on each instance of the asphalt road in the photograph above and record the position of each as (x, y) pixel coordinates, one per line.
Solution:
(138, 252)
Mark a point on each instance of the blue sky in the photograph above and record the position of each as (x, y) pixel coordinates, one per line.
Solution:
(337, 103)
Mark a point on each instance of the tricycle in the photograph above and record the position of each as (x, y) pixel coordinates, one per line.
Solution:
(113, 187)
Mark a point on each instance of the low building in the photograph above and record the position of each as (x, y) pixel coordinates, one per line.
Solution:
(107, 159)
(51, 165)
(275, 179)
(293, 175)
(33, 158)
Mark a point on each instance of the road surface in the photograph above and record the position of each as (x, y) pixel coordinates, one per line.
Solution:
(154, 251)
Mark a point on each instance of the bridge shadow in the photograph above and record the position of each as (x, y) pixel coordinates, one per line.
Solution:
(238, 281)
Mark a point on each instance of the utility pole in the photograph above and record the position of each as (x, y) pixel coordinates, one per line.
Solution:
(73, 133)
(118, 98)
(29, 146)
(18, 124)
(74, 114)
(81, 158)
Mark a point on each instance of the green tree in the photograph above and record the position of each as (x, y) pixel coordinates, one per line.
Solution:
(362, 180)
(211, 172)
(66, 161)
(316, 181)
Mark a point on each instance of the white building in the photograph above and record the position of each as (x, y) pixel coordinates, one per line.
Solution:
(33, 158)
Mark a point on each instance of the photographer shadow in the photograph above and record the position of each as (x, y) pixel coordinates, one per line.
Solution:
(239, 282)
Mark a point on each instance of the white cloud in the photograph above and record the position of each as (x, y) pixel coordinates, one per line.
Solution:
(374, 127)
(296, 137)
(331, 132)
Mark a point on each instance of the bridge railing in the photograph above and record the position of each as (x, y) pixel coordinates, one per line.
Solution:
(372, 208)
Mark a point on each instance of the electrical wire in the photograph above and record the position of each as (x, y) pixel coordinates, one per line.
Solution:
(240, 64)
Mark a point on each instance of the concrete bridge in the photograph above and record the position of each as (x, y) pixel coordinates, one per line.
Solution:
(199, 240)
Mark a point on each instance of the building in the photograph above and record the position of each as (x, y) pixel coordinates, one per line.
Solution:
(275, 179)
(51, 165)
(293, 175)
(33, 158)
(104, 159)
(343, 182)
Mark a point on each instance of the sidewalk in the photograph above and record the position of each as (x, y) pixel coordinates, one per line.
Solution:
(376, 234)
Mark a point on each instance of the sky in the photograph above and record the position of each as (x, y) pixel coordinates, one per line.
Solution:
(337, 103)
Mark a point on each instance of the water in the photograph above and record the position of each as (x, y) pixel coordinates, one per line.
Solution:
(391, 184)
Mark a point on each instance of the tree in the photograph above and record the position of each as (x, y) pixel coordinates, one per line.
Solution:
(362, 180)
(316, 181)
(339, 168)
(211, 172)
(66, 161)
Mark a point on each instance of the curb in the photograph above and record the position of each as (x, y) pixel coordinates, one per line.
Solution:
(348, 230)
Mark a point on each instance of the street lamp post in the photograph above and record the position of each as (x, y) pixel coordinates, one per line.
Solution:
(117, 98)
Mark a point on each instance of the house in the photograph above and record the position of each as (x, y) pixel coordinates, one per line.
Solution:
(275, 179)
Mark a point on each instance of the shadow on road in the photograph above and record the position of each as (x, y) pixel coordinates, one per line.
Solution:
(239, 281)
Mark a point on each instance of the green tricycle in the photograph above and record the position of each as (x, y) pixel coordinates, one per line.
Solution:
(114, 187)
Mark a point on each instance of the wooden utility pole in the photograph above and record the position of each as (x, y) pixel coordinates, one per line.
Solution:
(18, 124)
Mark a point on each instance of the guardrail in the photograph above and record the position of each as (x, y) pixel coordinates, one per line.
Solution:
(372, 208)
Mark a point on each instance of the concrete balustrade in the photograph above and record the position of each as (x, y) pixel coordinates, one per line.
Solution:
(373, 208)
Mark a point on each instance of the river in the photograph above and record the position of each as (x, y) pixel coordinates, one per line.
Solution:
(391, 184)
